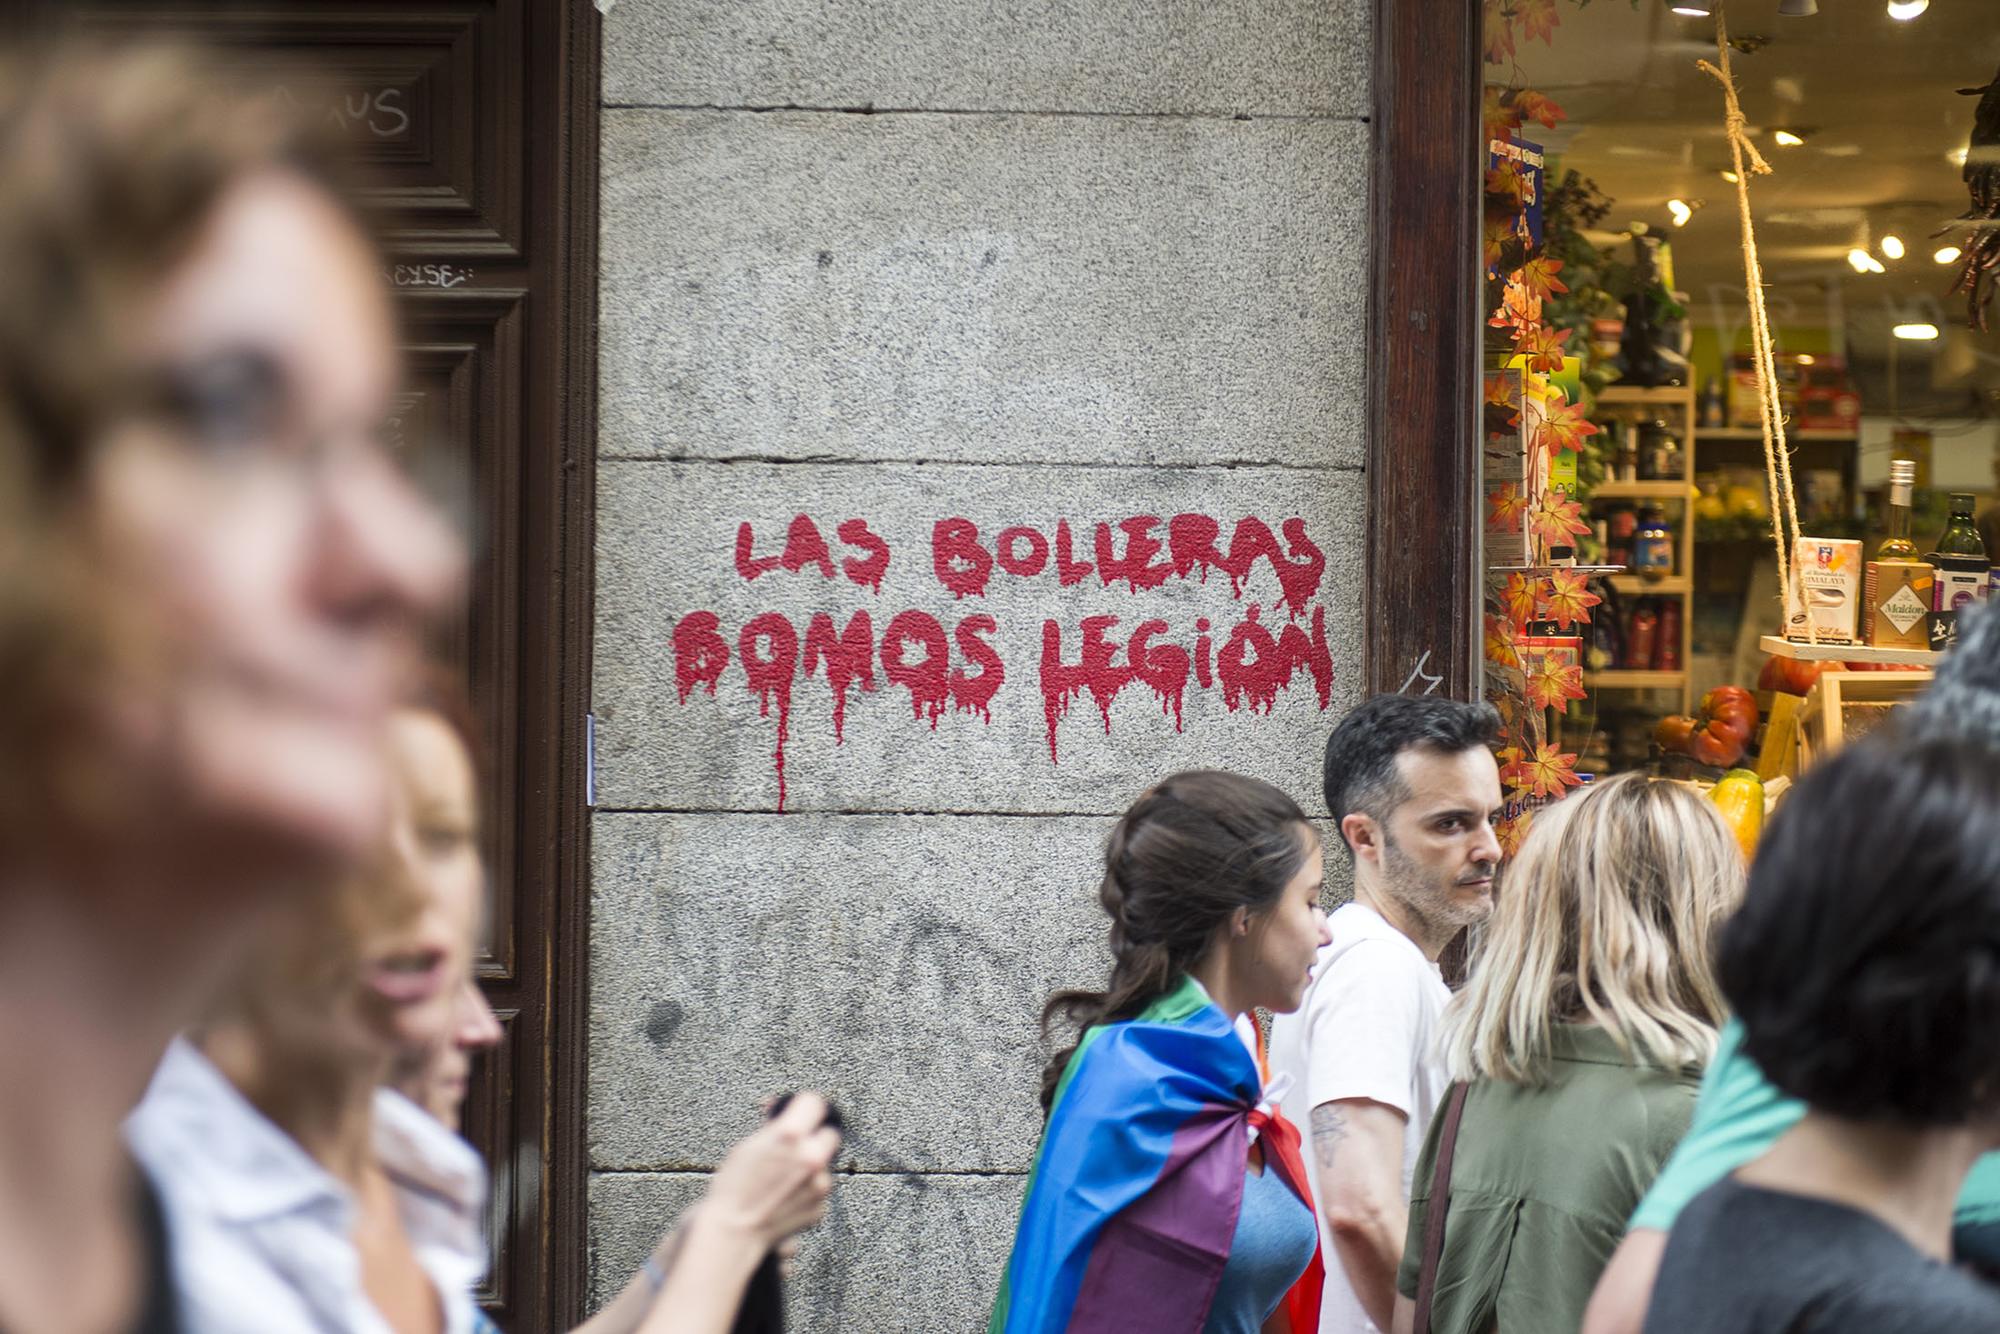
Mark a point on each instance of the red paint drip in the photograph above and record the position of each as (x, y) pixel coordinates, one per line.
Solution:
(748, 565)
(1164, 669)
(849, 657)
(974, 693)
(1061, 684)
(804, 546)
(867, 571)
(1191, 540)
(771, 677)
(928, 680)
(700, 653)
(962, 565)
(1255, 665)
(1136, 566)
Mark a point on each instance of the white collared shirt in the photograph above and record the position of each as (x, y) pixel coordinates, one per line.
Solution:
(263, 1235)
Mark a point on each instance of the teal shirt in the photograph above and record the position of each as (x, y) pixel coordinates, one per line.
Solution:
(1740, 1115)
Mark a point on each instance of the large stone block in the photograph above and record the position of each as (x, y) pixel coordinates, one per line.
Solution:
(896, 1255)
(898, 963)
(1049, 739)
(1302, 57)
(983, 288)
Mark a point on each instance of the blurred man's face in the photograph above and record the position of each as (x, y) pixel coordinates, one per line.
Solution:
(270, 546)
(1439, 853)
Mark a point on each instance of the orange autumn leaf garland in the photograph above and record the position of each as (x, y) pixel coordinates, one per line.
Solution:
(1552, 683)
(1569, 599)
(1564, 427)
(1549, 774)
(1557, 519)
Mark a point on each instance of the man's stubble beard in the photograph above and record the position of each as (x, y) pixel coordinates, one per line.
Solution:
(1431, 899)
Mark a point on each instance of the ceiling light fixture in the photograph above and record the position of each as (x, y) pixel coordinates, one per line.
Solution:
(1731, 177)
(1905, 10)
(1698, 9)
(1957, 156)
(1948, 255)
(1892, 246)
(1804, 358)
(1786, 139)
(1679, 208)
(1798, 8)
(1863, 262)
(1915, 333)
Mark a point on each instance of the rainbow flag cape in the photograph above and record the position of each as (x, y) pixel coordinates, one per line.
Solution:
(1131, 1208)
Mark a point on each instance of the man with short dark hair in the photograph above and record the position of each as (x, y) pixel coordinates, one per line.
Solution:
(1415, 793)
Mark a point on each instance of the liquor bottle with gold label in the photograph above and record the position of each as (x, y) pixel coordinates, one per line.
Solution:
(1897, 589)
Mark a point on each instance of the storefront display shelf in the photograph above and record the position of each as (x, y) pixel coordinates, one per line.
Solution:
(1633, 680)
(1792, 437)
(1779, 647)
(1638, 585)
(1669, 490)
(1623, 395)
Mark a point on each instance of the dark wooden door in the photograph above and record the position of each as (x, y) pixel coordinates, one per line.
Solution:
(477, 122)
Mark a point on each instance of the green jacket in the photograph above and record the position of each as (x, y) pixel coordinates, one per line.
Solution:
(1543, 1180)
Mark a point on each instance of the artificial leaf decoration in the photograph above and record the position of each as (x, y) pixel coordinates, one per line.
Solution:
(1520, 597)
(1553, 683)
(1542, 346)
(1496, 233)
(1499, 119)
(1504, 391)
(1564, 427)
(1556, 518)
(1508, 185)
(1569, 599)
(1519, 309)
(1535, 106)
(1512, 770)
(1511, 831)
(1549, 772)
(1538, 275)
(1538, 18)
(1499, 36)
(1500, 647)
(1505, 507)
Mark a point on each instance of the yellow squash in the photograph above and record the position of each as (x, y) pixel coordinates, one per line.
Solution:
(1740, 798)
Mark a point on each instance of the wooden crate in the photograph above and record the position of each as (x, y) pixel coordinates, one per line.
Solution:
(1845, 706)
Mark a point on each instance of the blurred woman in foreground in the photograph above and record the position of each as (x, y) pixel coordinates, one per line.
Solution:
(772, 1184)
(209, 572)
(1579, 1042)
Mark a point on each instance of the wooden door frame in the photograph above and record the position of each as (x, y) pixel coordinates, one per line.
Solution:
(558, 587)
(1421, 562)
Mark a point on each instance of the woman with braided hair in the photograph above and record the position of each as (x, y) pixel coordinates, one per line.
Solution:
(1167, 1193)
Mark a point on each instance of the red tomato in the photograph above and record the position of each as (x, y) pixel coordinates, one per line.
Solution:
(1733, 709)
(1716, 746)
(1790, 676)
(1673, 734)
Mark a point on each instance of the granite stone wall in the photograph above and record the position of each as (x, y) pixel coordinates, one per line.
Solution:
(980, 440)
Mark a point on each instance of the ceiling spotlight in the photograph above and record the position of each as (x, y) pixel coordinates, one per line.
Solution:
(1892, 246)
(1679, 208)
(1699, 9)
(1731, 177)
(1805, 358)
(1863, 262)
(1948, 255)
(1905, 10)
(1786, 139)
(1915, 333)
(1957, 156)
(1804, 9)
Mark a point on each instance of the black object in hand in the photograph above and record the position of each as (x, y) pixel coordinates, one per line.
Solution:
(763, 1308)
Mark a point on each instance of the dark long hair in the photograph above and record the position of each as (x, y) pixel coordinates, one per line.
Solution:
(1187, 855)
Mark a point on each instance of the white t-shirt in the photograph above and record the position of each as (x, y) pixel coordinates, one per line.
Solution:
(1368, 1029)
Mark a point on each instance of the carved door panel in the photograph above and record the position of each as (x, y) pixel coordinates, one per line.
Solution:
(476, 120)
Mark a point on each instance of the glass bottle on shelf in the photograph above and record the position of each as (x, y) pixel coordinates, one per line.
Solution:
(1641, 634)
(1897, 588)
(1667, 641)
(1960, 558)
(1653, 545)
(1659, 453)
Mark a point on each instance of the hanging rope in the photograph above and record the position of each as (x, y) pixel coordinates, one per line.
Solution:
(1777, 454)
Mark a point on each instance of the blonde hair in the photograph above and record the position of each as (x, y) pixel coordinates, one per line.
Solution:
(1607, 915)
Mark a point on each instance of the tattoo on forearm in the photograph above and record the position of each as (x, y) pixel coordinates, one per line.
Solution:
(1329, 1128)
